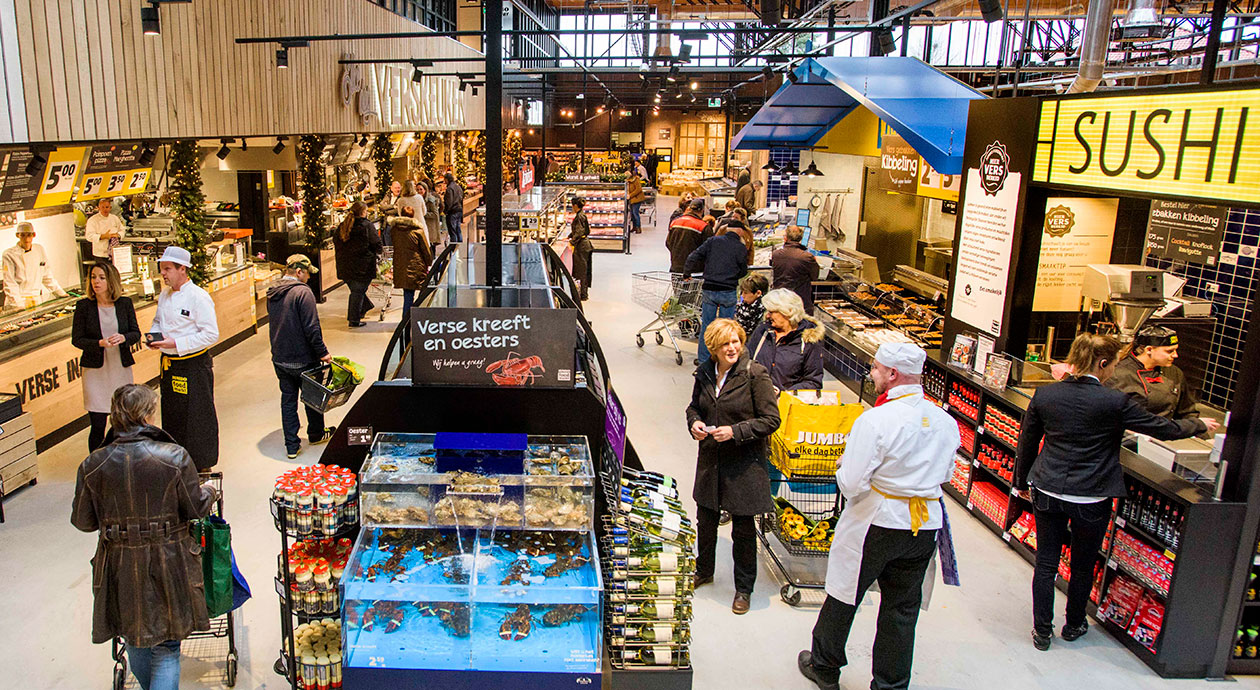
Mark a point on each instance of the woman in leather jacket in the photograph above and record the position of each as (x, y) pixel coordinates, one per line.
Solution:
(139, 493)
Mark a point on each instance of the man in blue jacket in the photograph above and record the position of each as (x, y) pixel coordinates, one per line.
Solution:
(724, 260)
(297, 344)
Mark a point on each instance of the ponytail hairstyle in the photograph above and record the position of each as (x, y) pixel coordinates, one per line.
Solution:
(357, 209)
(1090, 352)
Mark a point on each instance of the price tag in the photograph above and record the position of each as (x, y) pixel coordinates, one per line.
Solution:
(970, 505)
(1255, 561)
(975, 463)
(280, 588)
(1006, 537)
(980, 429)
(1120, 522)
(359, 436)
(1112, 564)
(1170, 555)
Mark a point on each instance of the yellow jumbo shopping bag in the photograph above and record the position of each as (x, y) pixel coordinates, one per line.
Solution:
(812, 432)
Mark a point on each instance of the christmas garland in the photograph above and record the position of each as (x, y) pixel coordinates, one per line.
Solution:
(460, 154)
(187, 212)
(477, 155)
(314, 189)
(382, 158)
(512, 156)
(428, 155)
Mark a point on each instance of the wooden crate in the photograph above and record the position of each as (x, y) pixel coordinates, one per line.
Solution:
(17, 454)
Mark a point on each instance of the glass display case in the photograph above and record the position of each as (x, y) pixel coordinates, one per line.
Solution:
(484, 599)
(505, 481)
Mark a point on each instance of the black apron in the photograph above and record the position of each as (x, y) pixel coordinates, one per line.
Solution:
(188, 413)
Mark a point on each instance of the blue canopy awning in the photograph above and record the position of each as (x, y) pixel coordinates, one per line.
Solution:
(927, 107)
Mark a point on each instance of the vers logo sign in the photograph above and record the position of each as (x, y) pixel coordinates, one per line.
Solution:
(1198, 145)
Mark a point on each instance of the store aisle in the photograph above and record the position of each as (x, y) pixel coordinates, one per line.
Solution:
(973, 637)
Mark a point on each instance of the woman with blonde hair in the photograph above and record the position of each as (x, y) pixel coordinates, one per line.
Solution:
(357, 244)
(788, 344)
(1068, 468)
(733, 411)
(105, 328)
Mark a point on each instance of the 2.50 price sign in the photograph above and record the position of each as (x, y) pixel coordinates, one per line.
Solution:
(113, 170)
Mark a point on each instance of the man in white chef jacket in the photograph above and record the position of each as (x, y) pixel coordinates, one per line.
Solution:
(27, 277)
(184, 329)
(896, 458)
(104, 230)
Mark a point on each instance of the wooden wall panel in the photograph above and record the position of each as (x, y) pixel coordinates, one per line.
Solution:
(87, 72)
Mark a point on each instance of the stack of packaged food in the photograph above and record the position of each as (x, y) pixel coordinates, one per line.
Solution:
(315, 570)
(649, 570)
(316, 500)
(319, 654)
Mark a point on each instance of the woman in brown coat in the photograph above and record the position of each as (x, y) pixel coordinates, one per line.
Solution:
(733, 411)
(140, 492)
(412, 256)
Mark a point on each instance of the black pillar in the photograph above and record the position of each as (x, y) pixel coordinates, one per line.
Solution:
(493, 192)
(542, 155)
(1208, 73)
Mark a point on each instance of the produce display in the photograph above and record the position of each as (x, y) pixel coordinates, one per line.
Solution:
(650, 566)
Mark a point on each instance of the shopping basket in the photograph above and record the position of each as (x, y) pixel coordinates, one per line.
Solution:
(675, 299)
(316, 392)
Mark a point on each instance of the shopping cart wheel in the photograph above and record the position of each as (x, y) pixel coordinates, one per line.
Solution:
(231, 670)
(638, 339)
(790, 595)
(678, 358)
(659, 340)
(279, 667)
(120, 675)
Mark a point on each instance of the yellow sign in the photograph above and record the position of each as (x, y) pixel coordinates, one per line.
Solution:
(111, 184)
(60, 176)
(1196, 145)
(858, 134)
(934, 185)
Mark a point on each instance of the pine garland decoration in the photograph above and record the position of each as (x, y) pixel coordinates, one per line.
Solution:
(477, 155)
(187, 208)
(428, 155)
(382, 158)
(460, 154)
(314, 189)
(512, 156)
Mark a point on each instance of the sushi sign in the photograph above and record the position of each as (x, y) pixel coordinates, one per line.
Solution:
(493, 347)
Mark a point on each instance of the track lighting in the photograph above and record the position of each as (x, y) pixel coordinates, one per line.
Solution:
(223, 152)
(279, 145)
(363, 141)
(695, 85)
(886, 44)
(149, 21)
(767, 72)
(463, 85)
(991, 10)
(580, 96)
(148, 151)
(416, 75)
(791, 75)
(282, 58)
(38, 160)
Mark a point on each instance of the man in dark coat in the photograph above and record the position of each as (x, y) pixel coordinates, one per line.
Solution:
(580, 241)
(795, 268)
(140, 492)
(724, 259)
(453, 207)
(686, 233)
(733, 411)
(297, 344)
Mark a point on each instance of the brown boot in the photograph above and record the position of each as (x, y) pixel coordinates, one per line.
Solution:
(740, 605)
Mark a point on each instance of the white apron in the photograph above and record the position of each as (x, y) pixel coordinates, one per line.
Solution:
(844, 562)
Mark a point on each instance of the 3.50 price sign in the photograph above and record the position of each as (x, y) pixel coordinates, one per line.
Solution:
(113, 170)
(60, 176)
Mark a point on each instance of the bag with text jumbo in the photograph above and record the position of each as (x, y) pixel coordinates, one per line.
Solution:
(811, 435)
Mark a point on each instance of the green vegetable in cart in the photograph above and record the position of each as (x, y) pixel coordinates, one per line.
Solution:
(348, 373)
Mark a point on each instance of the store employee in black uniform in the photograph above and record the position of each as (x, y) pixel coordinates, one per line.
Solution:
(1149, 376)
(1069, 454)
(185, 328)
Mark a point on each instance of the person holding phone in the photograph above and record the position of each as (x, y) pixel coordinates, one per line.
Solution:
(105, 328)
(733, 411)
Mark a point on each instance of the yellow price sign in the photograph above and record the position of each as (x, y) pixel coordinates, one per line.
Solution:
(60, 176)
(1195, 145)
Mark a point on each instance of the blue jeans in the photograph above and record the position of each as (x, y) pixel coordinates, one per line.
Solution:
(635, 220)
(454, 226)
(290, 378)
(715, 304)
(157, 668)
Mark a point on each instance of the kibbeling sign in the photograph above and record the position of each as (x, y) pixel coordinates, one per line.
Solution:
(495, 347)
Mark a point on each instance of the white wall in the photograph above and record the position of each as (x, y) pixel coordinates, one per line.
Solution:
(840, 171)
(56, 234)
(937, 225)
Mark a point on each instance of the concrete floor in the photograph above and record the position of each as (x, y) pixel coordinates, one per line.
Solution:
(975, 636)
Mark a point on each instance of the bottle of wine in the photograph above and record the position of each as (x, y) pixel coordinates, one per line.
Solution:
(654, 609)
(673, 529)
(650, 499)
(653, 632)
(663, 585)
(657, 656)
(661, 563)
(649, 477)
(641, 486)
(1177, 520)
(627, 548)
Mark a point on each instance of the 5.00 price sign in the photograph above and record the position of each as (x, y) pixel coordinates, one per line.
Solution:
(60, 176)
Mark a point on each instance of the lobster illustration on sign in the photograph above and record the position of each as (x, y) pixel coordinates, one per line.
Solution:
(515, 370)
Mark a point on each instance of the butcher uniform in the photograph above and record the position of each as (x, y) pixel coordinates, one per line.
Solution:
(187, 315)
(27, 275)
(896, 457)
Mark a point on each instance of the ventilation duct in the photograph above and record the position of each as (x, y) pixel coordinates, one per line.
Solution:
(1094, 41)
(1141, 20)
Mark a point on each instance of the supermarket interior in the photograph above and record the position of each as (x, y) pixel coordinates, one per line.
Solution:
(583, 322)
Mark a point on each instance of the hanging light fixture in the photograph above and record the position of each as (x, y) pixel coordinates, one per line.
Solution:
(279, 145)
(282, 58)
(150, 23)
(770, 166)
(223, 152)
(148, 150)
(789, 169)
(812, 171)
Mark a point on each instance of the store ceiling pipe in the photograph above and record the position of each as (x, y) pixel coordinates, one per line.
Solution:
(1094, 41)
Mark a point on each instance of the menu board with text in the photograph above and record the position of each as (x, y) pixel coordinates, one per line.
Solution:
(1077, 231)
(113, 170)
(986, 234)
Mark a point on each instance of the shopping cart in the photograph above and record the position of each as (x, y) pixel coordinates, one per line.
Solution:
(220, 626)
(800, 563)
(382, 286)
(676, 302)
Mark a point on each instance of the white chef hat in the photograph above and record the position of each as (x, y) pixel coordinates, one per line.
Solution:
(176, 255)
(907, 358)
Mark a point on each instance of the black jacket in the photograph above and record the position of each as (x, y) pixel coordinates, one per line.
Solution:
(686, 233)
(356, 255)
(85, 331)
(580, 233)
(732, 475)
(453, 199)
(795, 361)
(1162, 390)
(724, 260)
(1082, 423)
(795, 269)
(139, 493)
(294, 324)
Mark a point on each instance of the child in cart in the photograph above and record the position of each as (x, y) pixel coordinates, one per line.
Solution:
(749, 312)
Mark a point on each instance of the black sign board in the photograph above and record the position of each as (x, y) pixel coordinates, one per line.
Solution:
(18, 190)
(898, 165)
(1185, 232)
(507, 346)
(581, 177)
(113, 157)
(359, 436)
